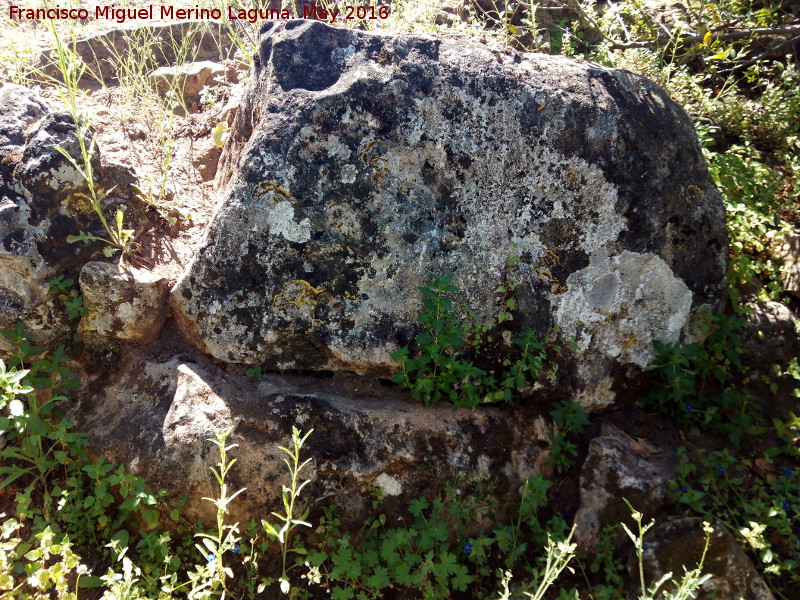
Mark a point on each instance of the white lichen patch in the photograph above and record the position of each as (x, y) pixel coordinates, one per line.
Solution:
(280, 219)
(388, 485)
(65, 175)
(624, 303)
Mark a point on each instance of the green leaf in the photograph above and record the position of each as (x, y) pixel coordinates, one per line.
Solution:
(418, 506)
(379, 579)
(89, 581)
(341, 593)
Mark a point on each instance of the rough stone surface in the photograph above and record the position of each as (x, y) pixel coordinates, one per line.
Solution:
(206, 158)
(669, 547)
(790, 257)
(125, 304)
(187, 80)
(362, 164)
(620, 466)
(771, 335)
(23, 271)
(156, 418)
(43, 199)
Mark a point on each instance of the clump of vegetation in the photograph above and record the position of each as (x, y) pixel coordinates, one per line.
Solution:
(468, 363)
(748, 478)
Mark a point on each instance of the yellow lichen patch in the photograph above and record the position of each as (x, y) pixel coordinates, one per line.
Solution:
(628, 342)
(379, 175)
(342, 219)
(366, 150)
(376, 162)
(297, 293)
(572, 176)
(77, 203)
(271, 187)
(692, 194)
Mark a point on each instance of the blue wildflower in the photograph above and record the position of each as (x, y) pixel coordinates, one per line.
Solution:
(787, 472)
(211, 557)
(236, 549)
(720, 470)
(467, 547)
(786, 506)
(683, 490)
(688, 407)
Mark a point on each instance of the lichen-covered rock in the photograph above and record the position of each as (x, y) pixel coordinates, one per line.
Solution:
(671, 547)
(156, 417)
(361, 164)
(122, 303)
(620, 467)
(22, 269)
(43, 199)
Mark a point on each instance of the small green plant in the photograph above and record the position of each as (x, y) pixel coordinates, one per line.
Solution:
(558, 554)
(209, 579)
(118, 238)
(571, 421)
(63, 289)
(755, 498)
(686, 587)
(700, 383)
(288, 521)
(254, 372)
(82, 502)
(467, 365)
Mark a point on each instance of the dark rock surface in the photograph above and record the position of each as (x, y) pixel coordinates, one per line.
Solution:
(359, 165)
(677, 545)
(156, 415)
(620, 467)
(771, 334)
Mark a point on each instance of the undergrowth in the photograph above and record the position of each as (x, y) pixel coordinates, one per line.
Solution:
(67, 504)
(469, 363)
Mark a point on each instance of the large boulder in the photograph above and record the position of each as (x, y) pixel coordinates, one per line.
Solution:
(359, 165)
(156, 416)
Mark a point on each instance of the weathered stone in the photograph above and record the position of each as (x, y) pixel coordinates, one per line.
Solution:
(206, 158)
(43, 199)
(23, 294)
(204, 40)
(187, 80)
(789, 256)
(671, 547)
(156, 417)
(620, 467)
(771, 335)
(362, 164)
(125, 304)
